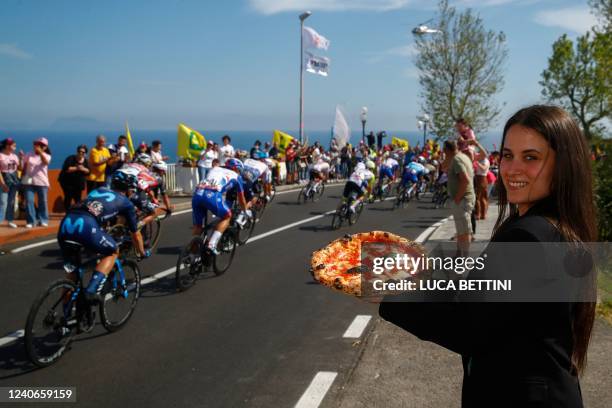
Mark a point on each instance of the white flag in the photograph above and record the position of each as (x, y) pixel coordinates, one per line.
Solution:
(312, 39)
(342, 132)
(316, 65)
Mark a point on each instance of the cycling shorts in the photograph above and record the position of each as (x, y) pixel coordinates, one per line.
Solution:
(81, 229)
(350, 188)
(209, 200)
(315, 174)
(386, 172)
(409, 177)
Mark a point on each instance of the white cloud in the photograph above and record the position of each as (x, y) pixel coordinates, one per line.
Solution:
(279, 6)
(408, 50)
(13, 51)
(577, 19)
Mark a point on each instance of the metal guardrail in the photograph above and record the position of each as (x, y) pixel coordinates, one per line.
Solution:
(170, 179)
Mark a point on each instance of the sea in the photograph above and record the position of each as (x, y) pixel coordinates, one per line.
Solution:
(64, 143)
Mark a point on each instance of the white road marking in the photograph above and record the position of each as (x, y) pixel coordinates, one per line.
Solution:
(277, 230)
(314, 394)
(356, 328)
(11, 337)
(427, 233)
(35, 245)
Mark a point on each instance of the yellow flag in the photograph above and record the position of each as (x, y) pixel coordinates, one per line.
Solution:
(401, 143)
(129, 140)
(190, 143)
(282, 140)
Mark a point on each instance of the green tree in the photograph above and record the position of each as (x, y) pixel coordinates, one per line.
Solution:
(460, 70)
(575, 79)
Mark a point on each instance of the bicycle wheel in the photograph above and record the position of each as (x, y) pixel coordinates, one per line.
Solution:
(47, 332)
(273, 192)
(244, 234)
(189, 264)
(120, 298)
(353, 217)
(301, 198)
(318, 193)
(151, 234)
(227, 248)
(338, 218)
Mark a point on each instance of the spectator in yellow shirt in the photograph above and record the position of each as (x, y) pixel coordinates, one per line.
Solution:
(99, 158)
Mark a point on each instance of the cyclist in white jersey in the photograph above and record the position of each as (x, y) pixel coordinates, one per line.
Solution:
(359, 183)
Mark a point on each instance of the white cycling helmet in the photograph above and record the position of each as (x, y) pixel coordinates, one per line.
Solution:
(161, 166)
(422, 160)
(370, 165)
(144, 159)
(360, 166)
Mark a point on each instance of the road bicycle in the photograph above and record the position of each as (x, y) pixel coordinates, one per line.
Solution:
(381, 191)
(195, 257)
(344, 214)
(440, 195)
(61, 311)
(404, 195)
(312, 191)
(151, 231)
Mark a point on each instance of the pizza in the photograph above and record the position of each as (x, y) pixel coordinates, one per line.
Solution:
(345, 264)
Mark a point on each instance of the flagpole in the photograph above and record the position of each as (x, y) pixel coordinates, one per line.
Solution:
(303, 17)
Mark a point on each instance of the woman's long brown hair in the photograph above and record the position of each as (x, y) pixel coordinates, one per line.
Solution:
(571, 194)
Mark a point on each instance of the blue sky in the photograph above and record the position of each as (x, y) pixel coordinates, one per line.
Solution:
(234, 64)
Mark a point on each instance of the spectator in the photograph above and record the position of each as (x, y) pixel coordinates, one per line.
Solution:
(123, 151)
(461, 191)
(481, 185)
(72, 177)
(9, 183)
(465, 133)
(273, 152)
(99, 158)
(291, 164)
(143, 147)
(379, 139)
(256, 150)
(371, 139)
(113, 164)
(36, 181)
(345, 159)
(156, 153)
(227, 150)
(206, 159)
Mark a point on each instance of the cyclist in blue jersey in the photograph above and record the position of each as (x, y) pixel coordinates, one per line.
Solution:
(83, 226)
(208, 196)
(412, 174)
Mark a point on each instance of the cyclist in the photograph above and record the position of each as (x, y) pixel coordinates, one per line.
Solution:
(388, 168)
(83, 226)
(319, 170)
(359, 182)
(254, 174)
(151, 181)
(413, 174)
(208, 196)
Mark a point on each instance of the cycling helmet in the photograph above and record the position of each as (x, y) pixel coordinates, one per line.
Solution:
(234, 164)
(435, 163)
(360, 166)
(422, 160)
(395, 156)
(161, 167)
(144, 159)
(370, 165)
(124, 181)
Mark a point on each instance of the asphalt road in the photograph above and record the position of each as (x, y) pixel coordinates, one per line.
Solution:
(255, 336)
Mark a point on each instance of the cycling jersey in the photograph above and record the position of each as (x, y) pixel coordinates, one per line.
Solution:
(147, 179)
(412, 172)
(82, 225)
(358, 182)
(255, 169)
(208, 195)
(387, 168)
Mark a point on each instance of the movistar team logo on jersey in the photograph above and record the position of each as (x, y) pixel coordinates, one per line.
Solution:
(107, 195)
(69, 227)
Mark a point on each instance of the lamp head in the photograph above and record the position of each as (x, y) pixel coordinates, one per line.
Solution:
(305, 15)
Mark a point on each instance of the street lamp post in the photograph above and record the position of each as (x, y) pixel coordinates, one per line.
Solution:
(303, 17)
(424, 121)
(364, 118)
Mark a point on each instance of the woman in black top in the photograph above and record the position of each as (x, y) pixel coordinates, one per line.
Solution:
(523, 354)
(72, 176)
